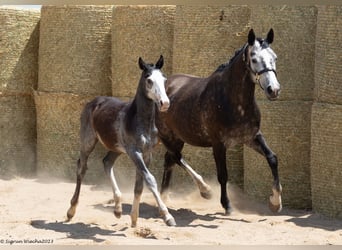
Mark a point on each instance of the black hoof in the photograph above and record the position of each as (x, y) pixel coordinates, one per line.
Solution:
(228, 211)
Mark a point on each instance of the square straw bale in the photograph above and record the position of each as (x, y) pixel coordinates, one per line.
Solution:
(294, 43)
(18, 136)
(207, 36)
(326, 159)
(19, 40)
(58, 142)
(286, 128)
(139, 31)
(74, 50)
(328, 68)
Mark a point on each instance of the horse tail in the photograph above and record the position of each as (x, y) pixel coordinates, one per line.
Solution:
(86, 120)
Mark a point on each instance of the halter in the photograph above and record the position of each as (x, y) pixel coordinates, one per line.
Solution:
(259, 73)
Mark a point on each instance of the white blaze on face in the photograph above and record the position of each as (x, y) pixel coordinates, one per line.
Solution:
(261, 59)
(156, 89)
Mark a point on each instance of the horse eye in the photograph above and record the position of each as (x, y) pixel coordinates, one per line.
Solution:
(149, 83)
(254, 61)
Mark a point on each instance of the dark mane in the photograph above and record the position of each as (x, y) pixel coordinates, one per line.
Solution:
(228, 63)
(223, 66)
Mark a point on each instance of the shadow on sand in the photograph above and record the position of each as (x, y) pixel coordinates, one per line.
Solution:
(76, 230)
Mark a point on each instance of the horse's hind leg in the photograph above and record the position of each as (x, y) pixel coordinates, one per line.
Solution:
(108, 162)
(88, 142)
(259, 145)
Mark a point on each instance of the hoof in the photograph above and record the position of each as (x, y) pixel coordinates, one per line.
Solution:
(275, 208)
(118, 214)
(170, 221)
(71, 213)
(228, 211)
(207, 195)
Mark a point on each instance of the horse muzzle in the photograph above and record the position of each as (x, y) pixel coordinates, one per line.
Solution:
(272, 93)
(163, 105)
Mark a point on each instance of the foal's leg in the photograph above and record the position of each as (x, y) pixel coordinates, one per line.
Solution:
(259, 144)
(219, 151)
(138, 188)
(86, 149)
(108, 163)
(138, 160)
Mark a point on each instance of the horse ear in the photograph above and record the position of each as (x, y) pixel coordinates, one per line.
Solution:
(160, 62)
(142, 64)
(251, 37)
(270, 36)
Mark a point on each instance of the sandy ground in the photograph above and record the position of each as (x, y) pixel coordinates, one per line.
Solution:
(34, 212)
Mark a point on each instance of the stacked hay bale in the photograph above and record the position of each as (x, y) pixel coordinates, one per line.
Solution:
(139, 31)
(204, 38)
(285, 123)
(19, 39)
(326, 137)
(74, 67)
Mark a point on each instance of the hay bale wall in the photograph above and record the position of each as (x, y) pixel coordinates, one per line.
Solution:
(328, 58)
(74, 67)
(74, 50)
(58, 143)
(18, 136)
(326, 159)
(326, 137)
(19, 39)
(139, 31)
(286, 127)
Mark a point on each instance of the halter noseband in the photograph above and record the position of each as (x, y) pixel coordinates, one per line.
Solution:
(258, 74)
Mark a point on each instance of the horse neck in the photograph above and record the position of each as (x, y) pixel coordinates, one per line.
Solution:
(145, 110)
(238, 85)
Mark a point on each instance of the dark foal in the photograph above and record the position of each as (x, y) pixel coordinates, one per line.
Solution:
(220, 111)
(125, 127)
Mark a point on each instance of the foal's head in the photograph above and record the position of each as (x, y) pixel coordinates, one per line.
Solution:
(153, 81)
(261, 60)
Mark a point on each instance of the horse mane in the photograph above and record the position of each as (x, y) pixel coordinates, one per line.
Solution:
(223, 66)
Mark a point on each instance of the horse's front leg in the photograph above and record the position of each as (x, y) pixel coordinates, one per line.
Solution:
(219, 151)
(108, 162)
(151, 183)
(259, 144)
(138, 188)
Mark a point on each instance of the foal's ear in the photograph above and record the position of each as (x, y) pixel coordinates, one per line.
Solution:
(142, 64)
(270, 36)
(251, 37)
(160, 62)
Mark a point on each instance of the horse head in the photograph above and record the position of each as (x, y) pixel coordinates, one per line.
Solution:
(154, 80)
(261, 61)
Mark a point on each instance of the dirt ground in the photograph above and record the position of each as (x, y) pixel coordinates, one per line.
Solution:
(33, 211)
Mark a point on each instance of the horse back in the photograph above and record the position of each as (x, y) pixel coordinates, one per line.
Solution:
(101, 115)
